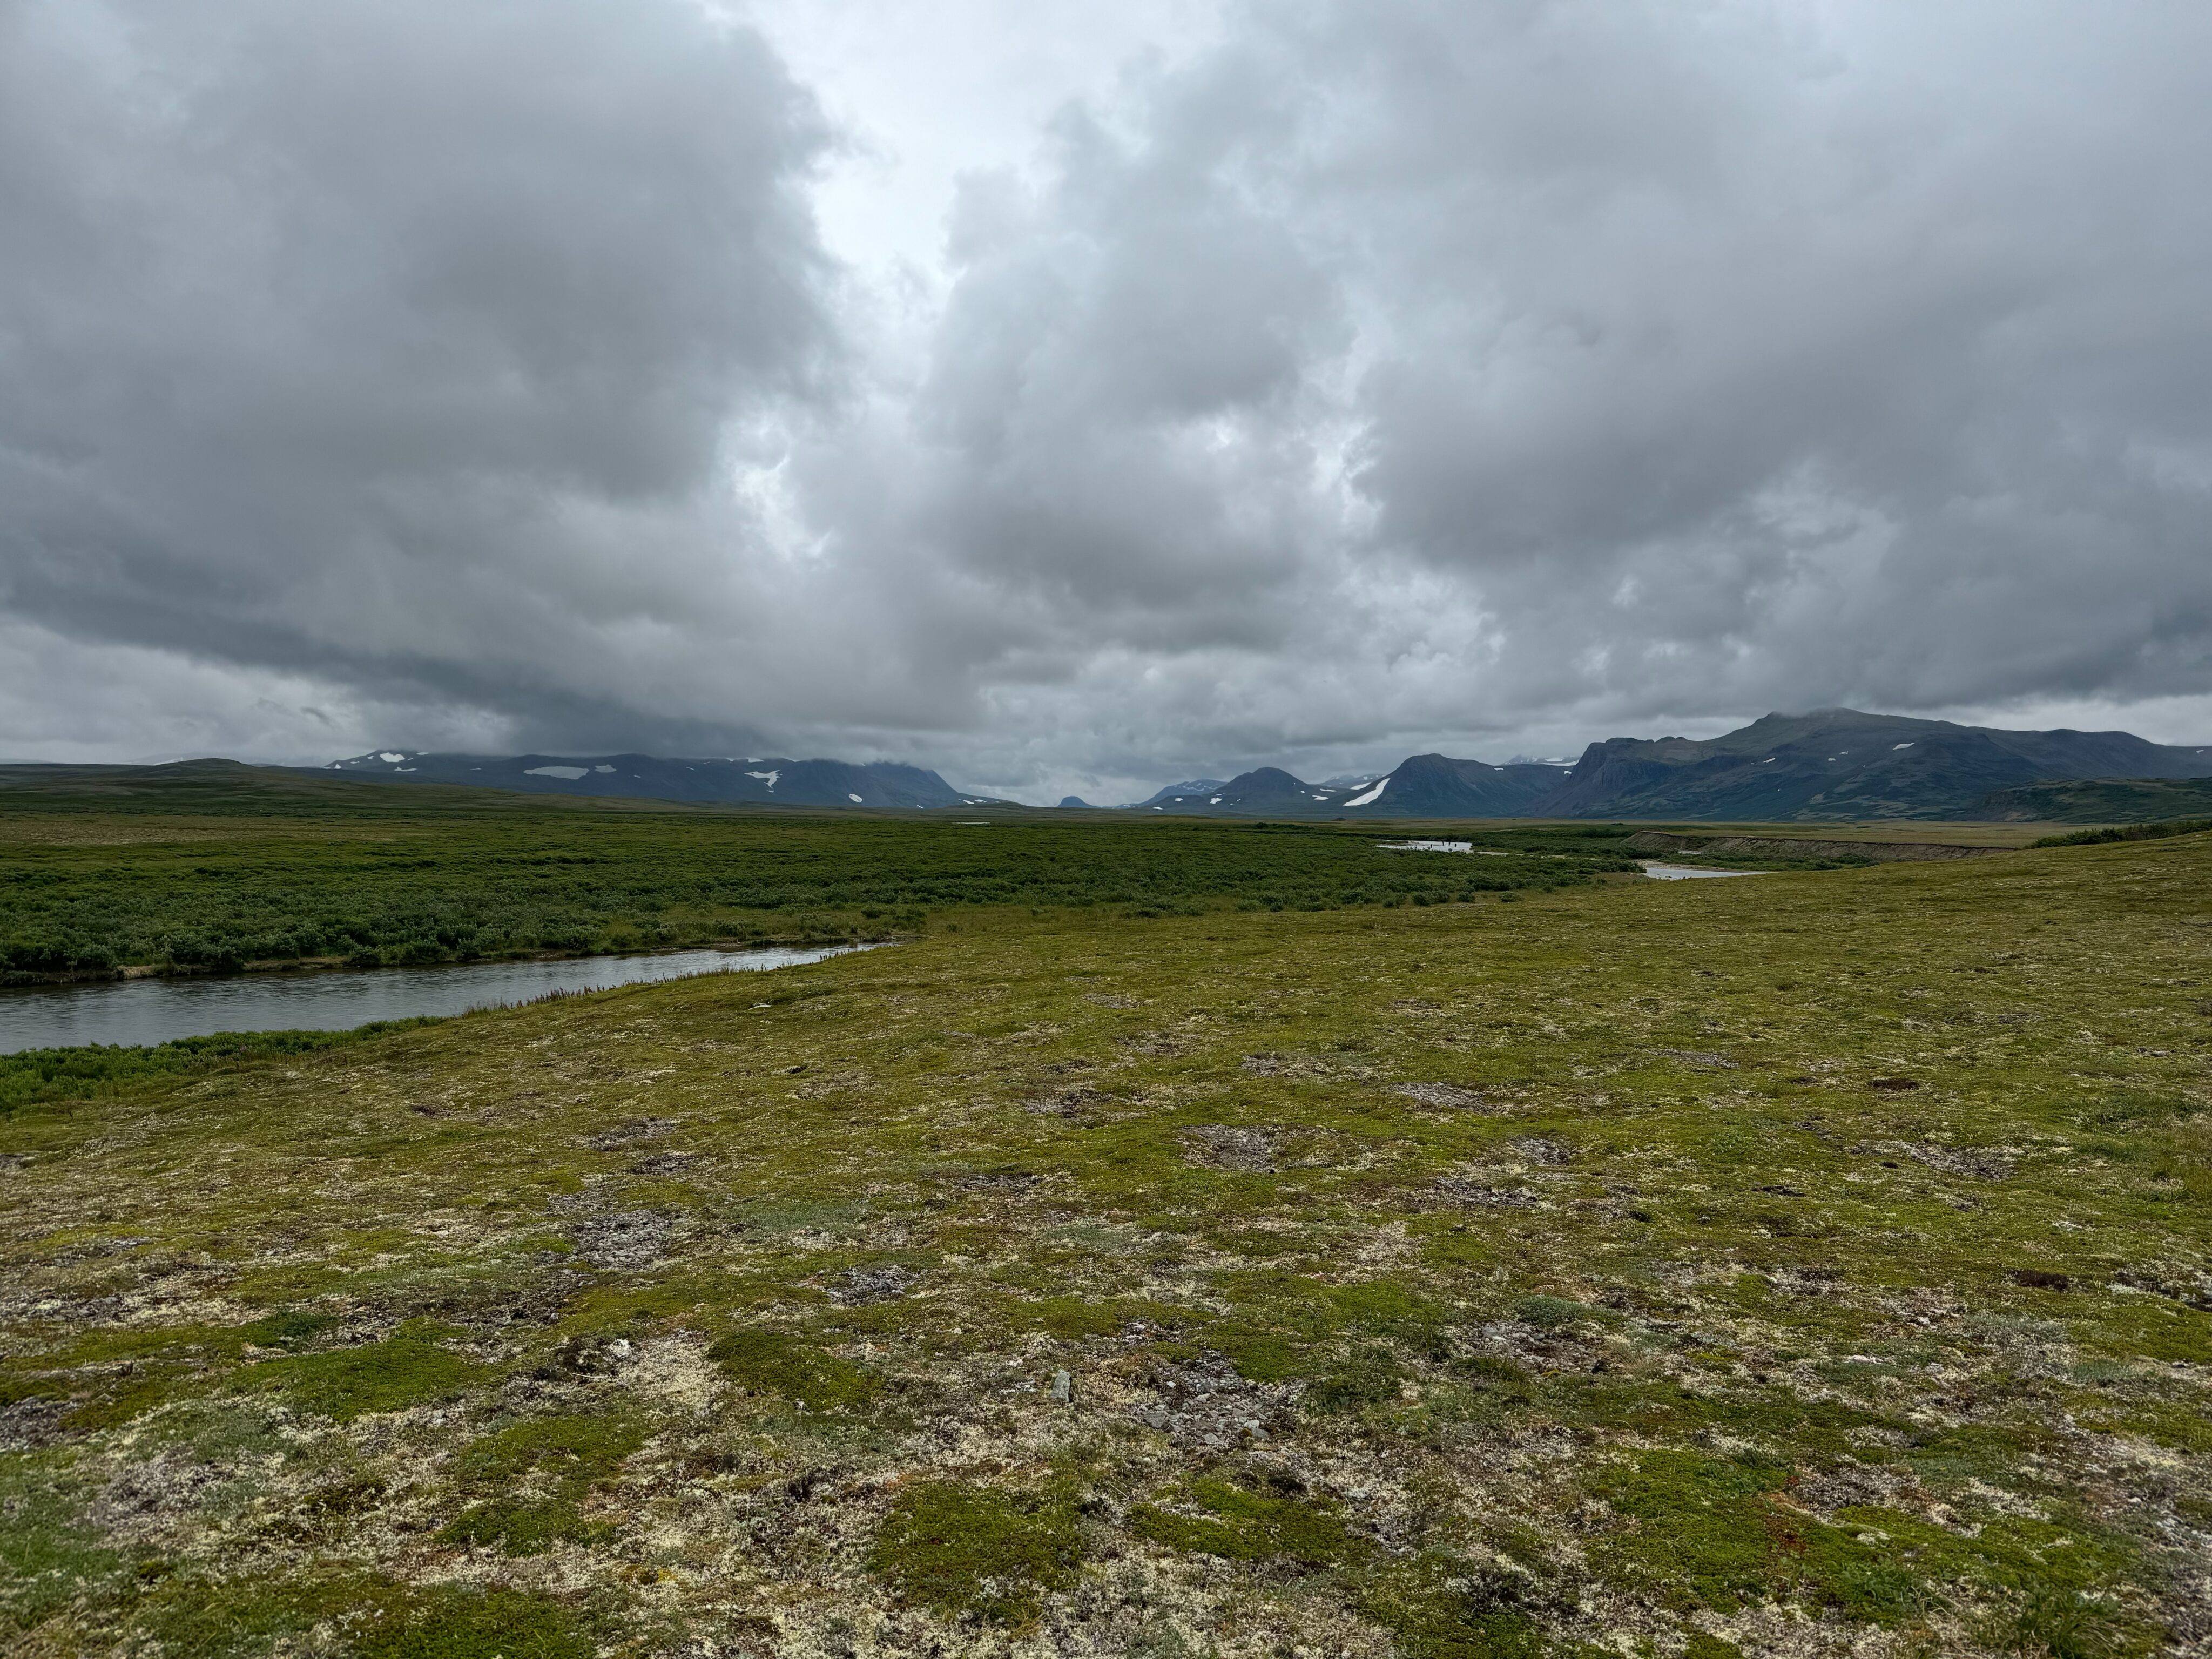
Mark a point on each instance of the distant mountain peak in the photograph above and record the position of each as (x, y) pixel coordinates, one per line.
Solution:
(764, 780)
(1422, 785)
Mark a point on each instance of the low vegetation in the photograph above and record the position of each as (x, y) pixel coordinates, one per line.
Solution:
(2129, 832)
(1816, 1265)
(51, 1074)
(314, 869)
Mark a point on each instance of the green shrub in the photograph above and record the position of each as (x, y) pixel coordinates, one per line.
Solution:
(1440, 1608)
(401, 1372)
(771, 1362)
(576, 1450)
(986, 1551)
(48, 1557)
(291, 1328)
(519, 1528)
(1550, 1313)
(42, 1076)
(572, 1453)
(492, 1624)
(2127, 832)
(1369, 1376)
(402, 878)
(1706, 1532)
(1240, 1524)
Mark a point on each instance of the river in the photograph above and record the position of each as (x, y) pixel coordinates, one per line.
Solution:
(137, 1011)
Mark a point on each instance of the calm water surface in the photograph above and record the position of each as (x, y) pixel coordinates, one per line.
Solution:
(146, 1010)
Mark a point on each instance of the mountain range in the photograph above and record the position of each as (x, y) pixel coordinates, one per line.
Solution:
(768, 781)
(1838, 764)
(1832, 765)
(1419, 787)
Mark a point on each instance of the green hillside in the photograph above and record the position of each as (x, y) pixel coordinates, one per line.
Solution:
(2100, 801)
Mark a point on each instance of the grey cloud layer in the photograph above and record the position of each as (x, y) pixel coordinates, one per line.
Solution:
(394, 342)
(1393, 373)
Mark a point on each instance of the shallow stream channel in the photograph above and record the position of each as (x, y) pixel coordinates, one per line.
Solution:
(137, 1011)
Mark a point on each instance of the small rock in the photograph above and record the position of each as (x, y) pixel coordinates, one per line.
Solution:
(1063, 1388)
(857, 1287)
(1226, 1146)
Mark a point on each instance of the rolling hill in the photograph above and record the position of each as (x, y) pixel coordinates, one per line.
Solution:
(2100, 800)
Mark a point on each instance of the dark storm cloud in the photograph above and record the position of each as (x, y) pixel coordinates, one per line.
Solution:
(394, 341)
(1390, 374)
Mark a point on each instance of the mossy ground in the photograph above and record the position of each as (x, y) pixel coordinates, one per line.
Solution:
(1812, 1265)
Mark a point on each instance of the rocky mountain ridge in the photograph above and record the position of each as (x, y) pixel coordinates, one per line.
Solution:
(1832, 765)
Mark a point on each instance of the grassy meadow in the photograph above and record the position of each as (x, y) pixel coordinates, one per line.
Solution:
(1809, 1265)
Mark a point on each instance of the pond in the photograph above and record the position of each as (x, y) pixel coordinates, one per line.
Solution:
(137, 1011)
(1691, 872)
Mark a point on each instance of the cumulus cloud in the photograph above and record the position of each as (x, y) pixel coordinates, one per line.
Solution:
(1395, 374)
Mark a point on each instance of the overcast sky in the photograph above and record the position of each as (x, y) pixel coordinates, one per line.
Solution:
(1080, 397)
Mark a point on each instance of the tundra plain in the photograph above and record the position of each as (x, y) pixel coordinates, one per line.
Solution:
(1819, 1264)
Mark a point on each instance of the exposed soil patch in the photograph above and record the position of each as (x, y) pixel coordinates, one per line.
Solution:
(861, 1287)
(629, 1135)
(1968, 1163)
(628, 1241)
(1448, 1095)
(996, 1181)
(1204, 1403)
(1076, 1101)
(1458, 1191)
(1226, 1146)
(1698, 1058)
